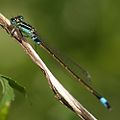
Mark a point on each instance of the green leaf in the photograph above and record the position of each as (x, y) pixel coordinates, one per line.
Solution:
(6, 98)
(8, 86)
(14, 84)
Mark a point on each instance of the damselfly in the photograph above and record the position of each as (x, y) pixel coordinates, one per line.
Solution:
(82, 76)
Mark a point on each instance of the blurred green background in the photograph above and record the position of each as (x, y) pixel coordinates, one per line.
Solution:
(86, 30)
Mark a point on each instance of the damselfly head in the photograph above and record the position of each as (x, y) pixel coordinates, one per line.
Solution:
(13, 21)
(16, 19)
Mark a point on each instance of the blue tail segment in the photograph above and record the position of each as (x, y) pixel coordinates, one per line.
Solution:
(105, 102)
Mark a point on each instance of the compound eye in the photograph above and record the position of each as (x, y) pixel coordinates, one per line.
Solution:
(13, 21)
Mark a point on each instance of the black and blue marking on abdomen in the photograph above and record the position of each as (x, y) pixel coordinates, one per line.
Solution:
(105, 102)
(36, 39)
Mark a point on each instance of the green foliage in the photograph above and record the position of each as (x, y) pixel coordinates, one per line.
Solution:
(8, 86)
